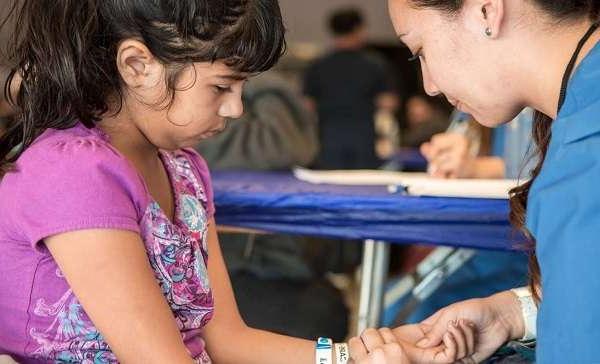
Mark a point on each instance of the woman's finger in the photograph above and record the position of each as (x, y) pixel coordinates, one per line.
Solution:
(387, 335)
(433, 318)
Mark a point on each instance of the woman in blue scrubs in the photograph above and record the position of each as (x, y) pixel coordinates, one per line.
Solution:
(491, 58)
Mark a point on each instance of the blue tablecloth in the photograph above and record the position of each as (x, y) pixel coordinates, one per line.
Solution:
(278, 202)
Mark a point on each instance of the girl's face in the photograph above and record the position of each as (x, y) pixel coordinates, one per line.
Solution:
(459, 60)
(206, 95)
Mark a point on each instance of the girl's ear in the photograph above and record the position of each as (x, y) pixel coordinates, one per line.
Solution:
(137, 65)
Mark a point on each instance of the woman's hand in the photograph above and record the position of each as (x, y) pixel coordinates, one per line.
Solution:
(399, 346)
(496, 319)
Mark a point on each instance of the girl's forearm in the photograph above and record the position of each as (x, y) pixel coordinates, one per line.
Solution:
(253, 346)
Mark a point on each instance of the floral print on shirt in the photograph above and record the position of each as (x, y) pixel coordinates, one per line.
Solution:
(178, 254)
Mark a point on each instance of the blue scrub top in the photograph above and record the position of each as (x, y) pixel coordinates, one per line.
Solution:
(564, 216)
(512, 142)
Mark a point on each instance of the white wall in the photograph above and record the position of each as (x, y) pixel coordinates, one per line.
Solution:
(306, 20)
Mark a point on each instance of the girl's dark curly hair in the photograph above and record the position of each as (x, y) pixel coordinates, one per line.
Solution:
(65, 52)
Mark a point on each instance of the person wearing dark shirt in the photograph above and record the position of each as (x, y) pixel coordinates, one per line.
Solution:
(347, 87)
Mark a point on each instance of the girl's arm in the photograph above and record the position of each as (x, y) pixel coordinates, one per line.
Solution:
(229, 340)
(109, 273)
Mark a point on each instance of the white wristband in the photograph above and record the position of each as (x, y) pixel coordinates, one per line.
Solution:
(323, 351)
(341, 353)
(528, 311)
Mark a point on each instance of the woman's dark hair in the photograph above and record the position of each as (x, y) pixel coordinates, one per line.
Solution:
(345, 21)
(559, 10)
(65, 52)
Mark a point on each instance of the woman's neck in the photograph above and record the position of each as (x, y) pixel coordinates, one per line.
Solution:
(548, 52)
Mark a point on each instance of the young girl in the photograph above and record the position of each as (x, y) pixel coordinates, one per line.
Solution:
(106, 220)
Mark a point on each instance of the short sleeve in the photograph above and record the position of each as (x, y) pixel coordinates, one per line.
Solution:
(203, 173)
(62, 186)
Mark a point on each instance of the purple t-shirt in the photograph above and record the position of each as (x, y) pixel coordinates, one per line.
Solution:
(75, 179)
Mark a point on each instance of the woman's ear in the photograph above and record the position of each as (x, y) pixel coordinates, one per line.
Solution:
(485, 17)
(137, 66)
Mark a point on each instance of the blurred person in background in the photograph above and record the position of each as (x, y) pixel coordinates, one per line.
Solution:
(347, 87)
(425, 118)
(5, 107)
(450, 154)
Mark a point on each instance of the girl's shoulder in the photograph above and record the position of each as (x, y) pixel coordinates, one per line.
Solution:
(74, 153)
(65, 145)
(74, 174)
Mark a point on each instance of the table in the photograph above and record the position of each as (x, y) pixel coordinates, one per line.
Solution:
(279, 203)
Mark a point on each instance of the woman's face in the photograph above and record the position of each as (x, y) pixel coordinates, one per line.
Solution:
(459, 60)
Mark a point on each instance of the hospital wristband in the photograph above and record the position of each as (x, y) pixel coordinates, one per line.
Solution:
(341, 353)
(323, 352)
(528, 311)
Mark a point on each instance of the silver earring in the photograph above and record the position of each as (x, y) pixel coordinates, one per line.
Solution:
(488, 32)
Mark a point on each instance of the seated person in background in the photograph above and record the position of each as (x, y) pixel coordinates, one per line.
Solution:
(425, 118)
(276, 132)
(450, 156)
(6, 109)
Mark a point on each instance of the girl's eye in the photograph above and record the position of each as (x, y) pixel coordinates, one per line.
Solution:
(222, 89)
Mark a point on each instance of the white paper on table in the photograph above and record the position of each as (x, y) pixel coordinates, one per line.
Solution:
(417, 184)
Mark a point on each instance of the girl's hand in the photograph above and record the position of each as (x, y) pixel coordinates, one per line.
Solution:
(377, 347)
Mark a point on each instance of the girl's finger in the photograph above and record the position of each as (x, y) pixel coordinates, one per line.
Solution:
(469, 331)
(371, 339)
(357, 349)
(450, 351)
(459, 339)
